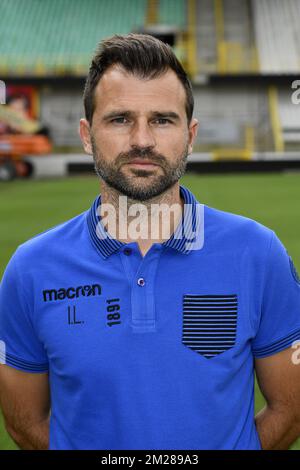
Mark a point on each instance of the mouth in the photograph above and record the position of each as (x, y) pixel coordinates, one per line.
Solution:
(142, 163)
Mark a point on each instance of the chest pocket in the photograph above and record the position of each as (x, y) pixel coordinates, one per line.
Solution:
(209, 323)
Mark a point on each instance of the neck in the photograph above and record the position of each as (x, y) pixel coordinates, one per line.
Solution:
(144, 222)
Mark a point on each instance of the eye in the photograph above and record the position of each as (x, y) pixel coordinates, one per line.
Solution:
(119, 120)
(162, 120)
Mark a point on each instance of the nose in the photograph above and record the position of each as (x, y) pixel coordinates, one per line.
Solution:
(141, 135)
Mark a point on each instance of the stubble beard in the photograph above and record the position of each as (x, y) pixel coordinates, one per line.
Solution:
(148, 185)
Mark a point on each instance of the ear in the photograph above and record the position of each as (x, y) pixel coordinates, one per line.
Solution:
(85, 136)
(193, 129)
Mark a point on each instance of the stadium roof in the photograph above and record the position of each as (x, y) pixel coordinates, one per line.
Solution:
(58, 37)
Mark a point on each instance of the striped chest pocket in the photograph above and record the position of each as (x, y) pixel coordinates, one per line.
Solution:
(209, 323)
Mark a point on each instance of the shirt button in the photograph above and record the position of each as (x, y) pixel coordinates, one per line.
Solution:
(141, 281)
(127, 251)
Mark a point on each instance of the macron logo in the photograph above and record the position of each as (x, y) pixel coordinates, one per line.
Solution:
(71, 292)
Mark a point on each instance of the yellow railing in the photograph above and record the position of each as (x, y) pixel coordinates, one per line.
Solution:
(235, 153)
(219, 25)
(232, 57)
(152, 12)
(275, 119)
(191, 38)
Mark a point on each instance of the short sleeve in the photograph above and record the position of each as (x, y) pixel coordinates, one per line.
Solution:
(279, 323)
(19, 345)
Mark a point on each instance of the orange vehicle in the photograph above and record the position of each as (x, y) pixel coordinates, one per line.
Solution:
(13, 148)
(20, 135)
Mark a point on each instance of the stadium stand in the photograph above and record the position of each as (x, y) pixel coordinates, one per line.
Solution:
(242, 57)
(172, 12)
(289, 115)
(206, 38)
(225, 42)
(277, 35)
(233, 122)
(58, 37)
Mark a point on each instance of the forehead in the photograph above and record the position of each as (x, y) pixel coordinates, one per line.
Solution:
(119, 88)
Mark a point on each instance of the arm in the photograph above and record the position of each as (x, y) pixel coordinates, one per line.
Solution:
(25, 402)
(278, 423)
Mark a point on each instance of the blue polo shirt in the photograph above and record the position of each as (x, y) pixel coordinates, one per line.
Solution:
(153, 352)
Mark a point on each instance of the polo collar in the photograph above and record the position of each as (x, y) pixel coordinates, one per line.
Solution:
(188, 236)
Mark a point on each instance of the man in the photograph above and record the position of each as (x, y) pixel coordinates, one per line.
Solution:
(142, 339)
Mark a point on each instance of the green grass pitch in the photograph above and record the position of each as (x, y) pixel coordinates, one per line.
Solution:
(30, 207)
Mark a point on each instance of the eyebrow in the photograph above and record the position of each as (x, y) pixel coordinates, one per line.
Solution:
(116, 113)
(167, 114)
(154, 114)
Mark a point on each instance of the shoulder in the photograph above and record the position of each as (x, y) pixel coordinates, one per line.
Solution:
(236, 230)
(52, 240)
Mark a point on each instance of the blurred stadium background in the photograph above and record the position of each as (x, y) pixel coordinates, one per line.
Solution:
(243, 57)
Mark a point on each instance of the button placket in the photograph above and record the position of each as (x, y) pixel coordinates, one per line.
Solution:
(143, 302)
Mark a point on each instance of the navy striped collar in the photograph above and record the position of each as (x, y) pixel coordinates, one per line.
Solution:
(188, 236)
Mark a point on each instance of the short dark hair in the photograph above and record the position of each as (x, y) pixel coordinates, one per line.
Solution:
(140, 54)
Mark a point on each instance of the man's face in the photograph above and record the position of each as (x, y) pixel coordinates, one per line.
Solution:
(139, 136)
